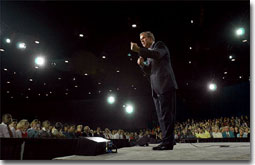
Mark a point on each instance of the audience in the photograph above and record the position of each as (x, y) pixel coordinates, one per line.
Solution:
(223, 127)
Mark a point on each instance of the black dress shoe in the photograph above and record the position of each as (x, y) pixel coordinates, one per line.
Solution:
(163, 147)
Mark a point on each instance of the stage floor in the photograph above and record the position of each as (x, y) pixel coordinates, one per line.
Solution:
(182, 151)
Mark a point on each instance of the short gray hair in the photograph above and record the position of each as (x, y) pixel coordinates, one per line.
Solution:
(149, 34)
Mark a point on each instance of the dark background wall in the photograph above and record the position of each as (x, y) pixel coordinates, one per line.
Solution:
(229, 101)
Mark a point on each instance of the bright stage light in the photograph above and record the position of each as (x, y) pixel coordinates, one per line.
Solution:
(134, 26)
(129, 109)
(8, 40)
(240, 31)
(111, 99)
(81, 35)
(230, 57)
(212, 86)
(39, 61)
(22, 45)
(37, 42)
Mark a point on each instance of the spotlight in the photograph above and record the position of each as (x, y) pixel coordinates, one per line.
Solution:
(37, 42)
(230, 57)
(129, 109)
(22, 45)
(111, 99)
(81, 35)
(240, 31)
(8, 40)
(39, 61)
(212, 86)
(134, 26)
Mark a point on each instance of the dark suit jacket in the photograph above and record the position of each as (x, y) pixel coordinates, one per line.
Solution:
(158, 66)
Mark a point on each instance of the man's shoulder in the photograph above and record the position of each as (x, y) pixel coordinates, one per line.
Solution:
(2, 125)
(159, 43)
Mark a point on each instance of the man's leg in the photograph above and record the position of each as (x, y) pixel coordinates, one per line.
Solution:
(159, 115)
(167, 102)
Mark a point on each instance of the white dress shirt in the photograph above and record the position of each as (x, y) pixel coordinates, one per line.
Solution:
(4, 130)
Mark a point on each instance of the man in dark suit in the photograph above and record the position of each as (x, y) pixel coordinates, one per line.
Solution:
(163, 84)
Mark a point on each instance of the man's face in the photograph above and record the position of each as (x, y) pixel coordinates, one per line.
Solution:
(146, 41)
(7, 119)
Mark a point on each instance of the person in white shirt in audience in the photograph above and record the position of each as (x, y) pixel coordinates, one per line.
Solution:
(4, 126)
(216, 133)
(116, 134)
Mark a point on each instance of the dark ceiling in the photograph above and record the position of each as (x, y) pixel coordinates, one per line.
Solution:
(107, 27)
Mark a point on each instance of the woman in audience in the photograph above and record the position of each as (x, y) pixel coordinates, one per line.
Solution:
(22, 127)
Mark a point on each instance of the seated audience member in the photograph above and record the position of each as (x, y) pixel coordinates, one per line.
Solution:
(202, 133)
(216, 133)
(98, 133)
(86, 132)
(107, 134)
(121, 133)
(22, 127)
(78, 132)
(127, 135)
(241, 134)
(236, 131)
(45, 131)
(33, 131)
(190, 134)
(184, 134)
(65, 129)
(227, 133)
(92, 132)
(5, 130)
(247, 132)
(116, 134)
(153, 133)
(57, 130)
(13, 127)
(71, 132)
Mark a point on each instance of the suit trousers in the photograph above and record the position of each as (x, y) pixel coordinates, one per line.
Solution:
(166, 111)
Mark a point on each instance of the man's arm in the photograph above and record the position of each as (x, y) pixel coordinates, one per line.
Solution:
(159, 51)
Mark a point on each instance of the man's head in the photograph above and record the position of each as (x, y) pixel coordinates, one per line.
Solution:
(14, 123)
(226, 128)
(147, 38)
(7, 118)
(46, 124)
